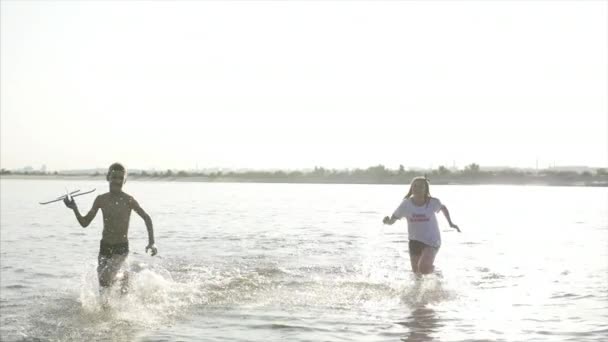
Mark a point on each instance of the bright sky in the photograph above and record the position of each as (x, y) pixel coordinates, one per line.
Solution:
(176, 84)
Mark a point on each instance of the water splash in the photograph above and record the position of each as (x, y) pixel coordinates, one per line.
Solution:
(152, 296)
(426, 290)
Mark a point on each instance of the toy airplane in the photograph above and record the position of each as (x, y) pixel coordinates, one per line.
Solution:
(69, 196)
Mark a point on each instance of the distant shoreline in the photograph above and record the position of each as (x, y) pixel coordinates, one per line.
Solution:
(535, 181)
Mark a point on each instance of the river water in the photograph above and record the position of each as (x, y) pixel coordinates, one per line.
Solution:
(307, 262)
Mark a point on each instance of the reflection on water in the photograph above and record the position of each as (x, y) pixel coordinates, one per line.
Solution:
(422, 324)
(423, 321)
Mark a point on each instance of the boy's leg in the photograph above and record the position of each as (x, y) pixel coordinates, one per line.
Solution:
(108, 268)
(427, 259)
(102, 262)
(102, 274)
(124, 282)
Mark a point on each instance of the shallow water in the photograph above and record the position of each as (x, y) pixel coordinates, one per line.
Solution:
(302, 262)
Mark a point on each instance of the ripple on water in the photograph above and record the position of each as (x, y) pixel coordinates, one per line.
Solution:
(45, 275)
(493, 276)
(572, 296)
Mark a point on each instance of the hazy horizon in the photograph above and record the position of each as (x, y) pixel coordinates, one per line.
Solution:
(203, 169)
(293, 85)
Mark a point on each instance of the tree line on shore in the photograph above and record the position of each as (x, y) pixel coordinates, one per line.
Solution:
(379, 174)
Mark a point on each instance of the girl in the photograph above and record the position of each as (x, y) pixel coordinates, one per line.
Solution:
(419, 208)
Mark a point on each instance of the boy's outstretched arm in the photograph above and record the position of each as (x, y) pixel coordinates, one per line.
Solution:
(135, 206)
(83, 220)
(446, 213)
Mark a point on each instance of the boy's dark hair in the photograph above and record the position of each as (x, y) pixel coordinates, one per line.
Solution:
(116, 167)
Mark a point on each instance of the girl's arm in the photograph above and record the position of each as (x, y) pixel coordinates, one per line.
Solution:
(446, 213)
(399, 213)
(390, 220)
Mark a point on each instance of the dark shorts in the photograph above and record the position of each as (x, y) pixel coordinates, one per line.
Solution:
(108, 250)
(416, 247)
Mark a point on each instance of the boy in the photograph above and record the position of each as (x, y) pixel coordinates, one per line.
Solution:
(116, 208)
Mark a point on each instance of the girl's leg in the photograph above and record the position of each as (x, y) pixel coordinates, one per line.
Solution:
(414, 259)
(427, 258)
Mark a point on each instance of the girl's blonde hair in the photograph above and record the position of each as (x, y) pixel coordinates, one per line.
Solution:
(427, 192)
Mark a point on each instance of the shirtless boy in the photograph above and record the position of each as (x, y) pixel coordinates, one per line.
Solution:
(116, 208)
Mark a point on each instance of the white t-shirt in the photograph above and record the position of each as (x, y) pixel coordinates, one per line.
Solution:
(421, 220)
